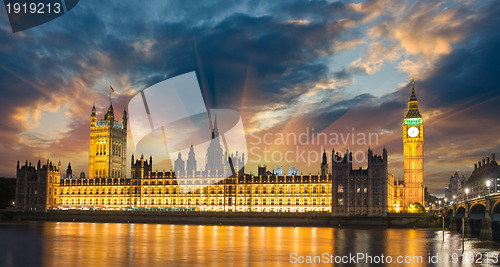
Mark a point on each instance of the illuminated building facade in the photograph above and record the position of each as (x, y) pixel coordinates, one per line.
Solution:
(108, 145)
(221, 186)
(413, 149)
(411, 189)
(485, 170)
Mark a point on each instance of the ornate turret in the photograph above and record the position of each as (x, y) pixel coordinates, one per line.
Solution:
(124, 119)
(413, 105)
(108, 145)
(69, 171)
(110, 115)
(93, 117)
(324, 164)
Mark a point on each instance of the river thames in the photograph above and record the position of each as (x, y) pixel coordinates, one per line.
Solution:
(115, 244)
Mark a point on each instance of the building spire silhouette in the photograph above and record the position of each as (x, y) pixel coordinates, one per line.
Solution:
(413, 111)
(215, 132)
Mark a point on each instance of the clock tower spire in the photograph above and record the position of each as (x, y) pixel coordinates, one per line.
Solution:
(413, 146)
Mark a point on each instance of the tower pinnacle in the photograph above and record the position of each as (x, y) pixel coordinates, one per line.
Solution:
(413, 105)
(215, 132)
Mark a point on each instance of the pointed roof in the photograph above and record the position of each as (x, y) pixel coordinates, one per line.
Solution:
(215, 132)
(110, 112)
(413, 111)
(413, 97)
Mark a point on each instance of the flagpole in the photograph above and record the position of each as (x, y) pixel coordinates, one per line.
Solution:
(110, 93)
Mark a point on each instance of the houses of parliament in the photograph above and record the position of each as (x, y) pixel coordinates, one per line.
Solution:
(223, 185)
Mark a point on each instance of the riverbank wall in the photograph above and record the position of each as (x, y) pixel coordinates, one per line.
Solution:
(228, 218)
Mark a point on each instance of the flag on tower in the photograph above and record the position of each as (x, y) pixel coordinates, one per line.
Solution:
(111, 88)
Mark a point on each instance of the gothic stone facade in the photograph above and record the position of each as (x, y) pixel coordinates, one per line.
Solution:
(344, 191)
(359, 191)
(35, 185)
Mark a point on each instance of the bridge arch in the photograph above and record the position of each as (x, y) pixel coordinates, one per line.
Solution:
(448, 216)
(495, 217)
(476, 217)
(459, 214)
(494, 206)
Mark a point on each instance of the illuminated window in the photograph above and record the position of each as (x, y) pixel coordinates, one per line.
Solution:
(340, 188)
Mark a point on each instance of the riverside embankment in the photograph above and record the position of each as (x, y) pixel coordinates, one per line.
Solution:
(230, 218)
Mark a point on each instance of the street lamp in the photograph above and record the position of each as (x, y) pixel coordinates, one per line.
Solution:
(445, 201)
(488, 183)
(466, 193)
(440, 203)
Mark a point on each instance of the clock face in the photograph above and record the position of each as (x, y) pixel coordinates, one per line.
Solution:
(412, 131)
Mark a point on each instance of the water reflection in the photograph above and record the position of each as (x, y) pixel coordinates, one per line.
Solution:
(112, 244)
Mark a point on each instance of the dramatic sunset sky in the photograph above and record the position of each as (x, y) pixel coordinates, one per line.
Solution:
(285, 66)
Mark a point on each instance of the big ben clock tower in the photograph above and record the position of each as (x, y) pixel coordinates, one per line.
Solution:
(413, 145)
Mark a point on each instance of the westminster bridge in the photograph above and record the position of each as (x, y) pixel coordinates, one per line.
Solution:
(480, 216)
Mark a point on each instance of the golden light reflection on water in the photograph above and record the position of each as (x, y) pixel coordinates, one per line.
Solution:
(111, 244)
